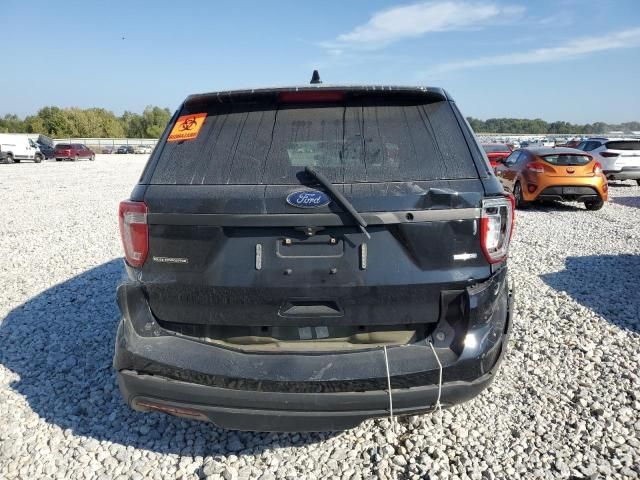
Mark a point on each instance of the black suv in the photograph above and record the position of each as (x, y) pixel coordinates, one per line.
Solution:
(293, 252)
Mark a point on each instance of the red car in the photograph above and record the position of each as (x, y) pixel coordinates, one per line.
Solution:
(570, 144)
(496, 152)
(73, 151)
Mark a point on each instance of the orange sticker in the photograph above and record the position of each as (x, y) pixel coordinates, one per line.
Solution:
(187, 127)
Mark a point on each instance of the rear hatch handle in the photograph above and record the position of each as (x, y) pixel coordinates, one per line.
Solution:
(338, 197)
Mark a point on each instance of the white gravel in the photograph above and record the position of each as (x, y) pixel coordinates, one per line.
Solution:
(565, 404)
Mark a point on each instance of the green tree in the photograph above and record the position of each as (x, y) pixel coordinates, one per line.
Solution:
(11, 123)
(154, 120)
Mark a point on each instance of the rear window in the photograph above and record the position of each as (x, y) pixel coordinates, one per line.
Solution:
(495, 148)
(566, 160)
(623, 145)
(357, 142)
(63, 146)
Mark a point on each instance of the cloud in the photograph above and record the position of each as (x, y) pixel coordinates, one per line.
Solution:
(572, 49)
(411, 21)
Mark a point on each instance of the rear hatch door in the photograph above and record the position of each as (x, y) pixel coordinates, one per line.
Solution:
(240, 235)
(568, 165)
(628, 153)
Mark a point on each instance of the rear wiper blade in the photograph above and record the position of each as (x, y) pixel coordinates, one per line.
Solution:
(339, 198)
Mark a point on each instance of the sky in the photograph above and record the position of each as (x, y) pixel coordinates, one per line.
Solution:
(572, 60)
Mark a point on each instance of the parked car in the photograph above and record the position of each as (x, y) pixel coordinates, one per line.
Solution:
(125, 149)
(277, 282)
(17, 147)
(496, 152)
(554, 174)
(142, 149)
(570, 144)
(107, 150)
(619, 157)
(73, 151)
(47, 151)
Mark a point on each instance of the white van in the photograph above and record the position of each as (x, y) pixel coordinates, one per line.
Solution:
(18, 146)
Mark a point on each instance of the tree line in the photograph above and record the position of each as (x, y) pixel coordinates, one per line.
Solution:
(540, 127)
(58, 122)
(100, 123)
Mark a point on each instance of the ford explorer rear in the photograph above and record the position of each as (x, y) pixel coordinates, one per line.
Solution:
(294, 252)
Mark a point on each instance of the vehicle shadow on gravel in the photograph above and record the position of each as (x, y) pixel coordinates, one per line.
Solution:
(60, 346)
(553, 205)
(627, 201)
(604, 284)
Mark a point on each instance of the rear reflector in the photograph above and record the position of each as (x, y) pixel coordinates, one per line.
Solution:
(170, 409)
(311, 96)
(134, 232)
(496, 227)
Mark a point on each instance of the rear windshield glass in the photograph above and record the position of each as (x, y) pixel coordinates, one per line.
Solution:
(363, 142)
(495, 148)
(565, 160)
(624, 145)
(63, 145)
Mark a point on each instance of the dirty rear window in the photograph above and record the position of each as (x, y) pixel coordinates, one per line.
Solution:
(355, 142)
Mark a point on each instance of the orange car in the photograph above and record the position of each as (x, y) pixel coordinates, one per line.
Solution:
(553, 174)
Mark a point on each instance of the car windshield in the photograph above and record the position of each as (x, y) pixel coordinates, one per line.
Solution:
(357, 142)
(495, 148)
(567, 160)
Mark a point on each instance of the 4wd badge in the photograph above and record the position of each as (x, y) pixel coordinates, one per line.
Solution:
(187, 127)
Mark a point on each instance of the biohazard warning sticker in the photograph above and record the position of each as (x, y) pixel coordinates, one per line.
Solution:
(187, 127)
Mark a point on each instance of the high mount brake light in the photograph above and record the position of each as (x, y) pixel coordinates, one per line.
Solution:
(311, 96)
(134, 232)
(496, 227)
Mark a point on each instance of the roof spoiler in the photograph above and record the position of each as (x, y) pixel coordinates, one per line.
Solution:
(271, 95)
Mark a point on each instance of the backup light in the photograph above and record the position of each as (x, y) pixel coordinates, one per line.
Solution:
(496, 227)
(134, 232)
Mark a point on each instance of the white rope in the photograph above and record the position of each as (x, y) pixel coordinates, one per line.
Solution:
(438, 405)
(391, 418)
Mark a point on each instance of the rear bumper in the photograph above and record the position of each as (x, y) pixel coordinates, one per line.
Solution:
(288, 412)
(625, 173)
(307, 392)
(578, 194)
(578, 189)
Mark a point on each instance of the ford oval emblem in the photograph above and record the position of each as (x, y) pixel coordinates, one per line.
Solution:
(308, 199)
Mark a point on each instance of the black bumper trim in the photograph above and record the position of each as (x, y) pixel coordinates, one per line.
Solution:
(285, 412)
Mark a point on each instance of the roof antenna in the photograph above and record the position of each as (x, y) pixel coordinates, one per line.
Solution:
(315, 78)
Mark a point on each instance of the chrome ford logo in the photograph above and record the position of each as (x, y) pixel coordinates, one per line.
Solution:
(308, 199)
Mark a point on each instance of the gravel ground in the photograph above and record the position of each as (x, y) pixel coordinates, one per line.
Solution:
(565, 404)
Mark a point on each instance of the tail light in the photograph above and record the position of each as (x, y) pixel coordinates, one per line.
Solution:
(134, 232)
(496, 227)
(609, 154)
(597, 168)
(536, 167)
